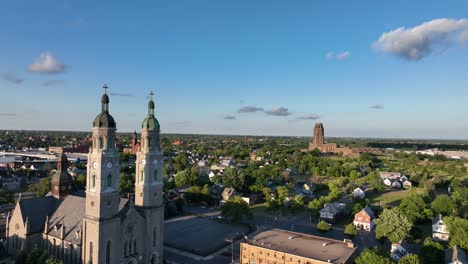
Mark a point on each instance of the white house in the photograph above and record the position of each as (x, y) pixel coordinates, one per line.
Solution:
(387, 182)
(398, 250)
(439, 229)
(359, 193)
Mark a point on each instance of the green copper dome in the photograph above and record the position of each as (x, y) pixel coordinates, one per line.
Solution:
(150, 122)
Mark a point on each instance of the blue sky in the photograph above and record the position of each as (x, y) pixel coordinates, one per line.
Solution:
(343, 63)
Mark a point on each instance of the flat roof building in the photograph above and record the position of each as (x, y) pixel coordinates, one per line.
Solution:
(279, 246)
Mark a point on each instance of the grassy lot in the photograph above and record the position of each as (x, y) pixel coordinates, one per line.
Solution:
(390, 197)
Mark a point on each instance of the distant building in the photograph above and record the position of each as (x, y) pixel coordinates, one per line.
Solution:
(455, 255)
(333, 211)
(364, 220)
(228, 193)
(280, 246)
(318, 142)
(439, 229)
(359, 193)
(134, 147)
(399, 250)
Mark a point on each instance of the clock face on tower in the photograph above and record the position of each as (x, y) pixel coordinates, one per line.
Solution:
(109, 164)
(143, 162)
(95, 165)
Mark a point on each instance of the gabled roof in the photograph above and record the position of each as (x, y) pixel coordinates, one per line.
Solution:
(70, 214)
(437, 219)
(36, 210)
(455, 254)
(333, 208)
(368, 211)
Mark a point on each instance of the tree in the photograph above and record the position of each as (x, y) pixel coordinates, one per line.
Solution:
(431, 252)
(185, 178)
(442, 205)
(410, 259)
(351, 230)
(315, 206)
(412, 206)
(80, 181)
(232, 178)
(235, 208)
(393, 225)
(42, 187)
(458, 229)
(127, 183)
(373, 256)
(21, 257)
(323, 227)
(6, 197)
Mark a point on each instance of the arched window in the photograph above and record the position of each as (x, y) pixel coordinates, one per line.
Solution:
(154, 237)
(125, 249)
(90, 253)
(134, 246)
(108, 252)
(155, 176)
(101, 143)
(54, 243)
(142, 177)
(109, 180)
(94, 181)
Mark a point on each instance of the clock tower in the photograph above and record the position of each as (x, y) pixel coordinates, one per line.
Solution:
(102, 191)
(149, 184)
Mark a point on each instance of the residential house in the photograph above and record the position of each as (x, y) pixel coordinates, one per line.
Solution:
(390, 175)
(228, 193)
(399, 250)
(439, 229)
(387, 182)
(365, 219)
(396, 184)
(333, 211)
(407, 184)
(359, 193)
(455, 255)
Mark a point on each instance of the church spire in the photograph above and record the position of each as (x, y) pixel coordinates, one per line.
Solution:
(105, 100)
(104, 119)
(151, 105)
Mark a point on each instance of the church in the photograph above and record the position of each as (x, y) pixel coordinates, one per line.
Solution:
(99, 226)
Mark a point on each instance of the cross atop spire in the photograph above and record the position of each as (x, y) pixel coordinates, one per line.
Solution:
(105, 88)
(151, 95)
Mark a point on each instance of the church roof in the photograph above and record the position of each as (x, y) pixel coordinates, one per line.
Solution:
(36, 211)
(70, 213)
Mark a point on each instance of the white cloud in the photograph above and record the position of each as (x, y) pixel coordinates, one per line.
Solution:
(279, 111)
(343, 56)
(309, 117)
(418, 42)
(46, 63)
(339, 56)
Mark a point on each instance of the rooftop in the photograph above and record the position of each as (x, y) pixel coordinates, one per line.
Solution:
(304, 245)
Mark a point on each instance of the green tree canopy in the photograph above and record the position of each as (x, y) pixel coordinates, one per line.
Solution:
(185, 178)
(235, 208)
(458, 229)
(374, 256)
(393, 225)
(442, 205)
(431, 252)
(412, 206)
(410, 259)
(351, 230)
(323, 227)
